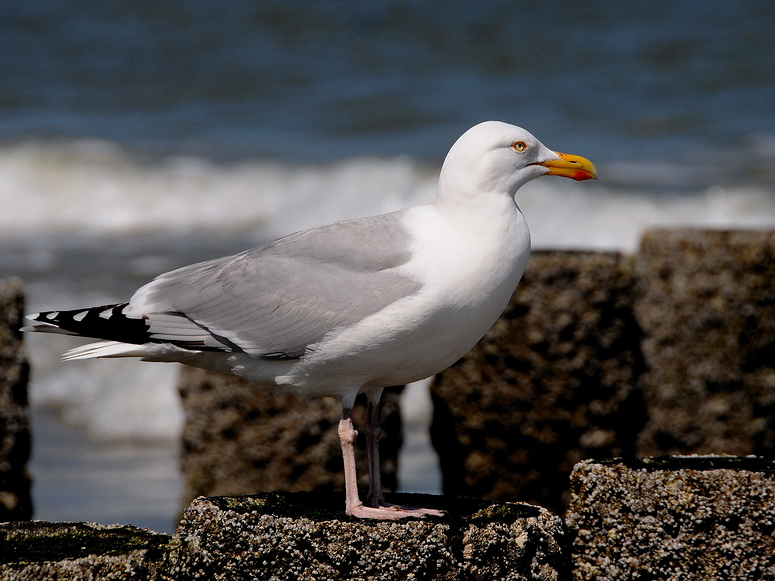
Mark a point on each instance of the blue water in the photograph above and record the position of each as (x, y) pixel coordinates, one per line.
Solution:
(686, 81)
(140, 135)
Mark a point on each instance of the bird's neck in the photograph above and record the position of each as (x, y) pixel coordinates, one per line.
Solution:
(473, 203)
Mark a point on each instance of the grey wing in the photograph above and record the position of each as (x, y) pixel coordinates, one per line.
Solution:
(279, 298)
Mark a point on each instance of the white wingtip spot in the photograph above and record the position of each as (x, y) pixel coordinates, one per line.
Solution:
(107, 313)
(52, 315)
(80, 316)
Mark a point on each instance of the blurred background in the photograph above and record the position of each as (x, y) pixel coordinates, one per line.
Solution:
(138, 136)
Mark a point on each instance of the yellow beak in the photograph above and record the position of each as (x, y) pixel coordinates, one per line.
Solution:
(571, 166)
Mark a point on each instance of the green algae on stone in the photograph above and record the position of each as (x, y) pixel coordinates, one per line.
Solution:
(39, 551)
(38, 541)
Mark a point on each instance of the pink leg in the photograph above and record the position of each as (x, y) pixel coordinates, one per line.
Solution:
(378, 508)
(347, 436)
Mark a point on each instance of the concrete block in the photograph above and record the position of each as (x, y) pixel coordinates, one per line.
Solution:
(673, 518)
(240, 439)
(40, 551)
(15, 500)
(306, 536)
(707, 309)
(553, 382)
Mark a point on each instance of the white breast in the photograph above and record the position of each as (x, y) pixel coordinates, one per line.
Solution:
(468, 272)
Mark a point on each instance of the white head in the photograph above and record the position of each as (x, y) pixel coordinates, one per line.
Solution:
(500, 158)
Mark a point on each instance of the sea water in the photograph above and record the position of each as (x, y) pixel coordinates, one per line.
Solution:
(138, 137)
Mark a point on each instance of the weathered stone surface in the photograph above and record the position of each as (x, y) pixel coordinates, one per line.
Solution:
(305, 536)
(39, 551)
(239, 439)
(707, 310)
(15, 501)
(297, 536)
(697, 518)
(551, 383)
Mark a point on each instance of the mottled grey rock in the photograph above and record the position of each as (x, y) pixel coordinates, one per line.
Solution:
(297, 536)
(707, 310)
(553, 382)
(240, 439)
(15, 501)
(39, 551)
(697, 518)
(306, 536)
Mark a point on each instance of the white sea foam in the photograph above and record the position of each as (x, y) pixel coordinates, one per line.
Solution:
(591, 216)
(92, 189)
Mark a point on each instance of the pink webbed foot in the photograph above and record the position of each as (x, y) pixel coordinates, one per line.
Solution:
(388, 511)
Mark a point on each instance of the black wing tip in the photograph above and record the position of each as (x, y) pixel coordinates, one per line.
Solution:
(104, 322)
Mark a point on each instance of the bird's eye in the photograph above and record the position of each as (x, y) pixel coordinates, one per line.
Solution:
(519, 146)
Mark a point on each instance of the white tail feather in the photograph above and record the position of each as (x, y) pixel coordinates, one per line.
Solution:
(105, 349)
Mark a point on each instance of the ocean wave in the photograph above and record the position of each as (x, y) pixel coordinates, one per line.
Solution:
(562, 215)
(92, 187)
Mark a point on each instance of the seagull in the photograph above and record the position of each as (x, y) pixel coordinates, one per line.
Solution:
(351, 307)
